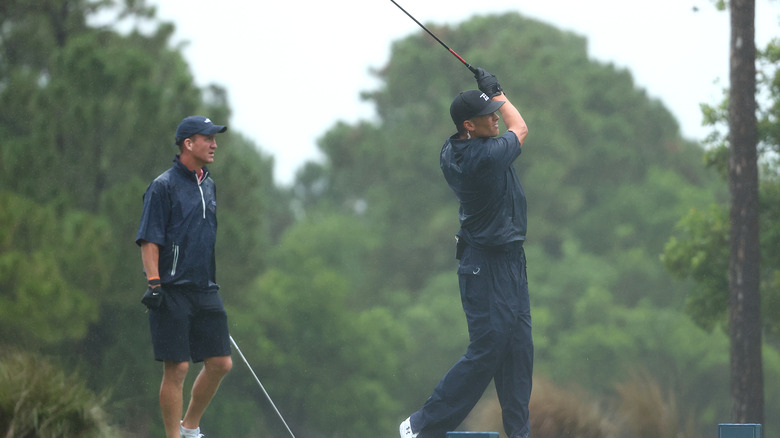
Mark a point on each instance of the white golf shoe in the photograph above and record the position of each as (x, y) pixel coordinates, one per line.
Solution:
(190, 433)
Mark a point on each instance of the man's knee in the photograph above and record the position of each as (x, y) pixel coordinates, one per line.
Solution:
(219, 365)
(175, 372)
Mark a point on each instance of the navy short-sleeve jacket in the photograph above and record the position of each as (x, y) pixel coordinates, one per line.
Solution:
(180, 216)
(492, 203)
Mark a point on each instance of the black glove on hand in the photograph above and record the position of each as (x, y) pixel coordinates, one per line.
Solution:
(487, 83)
(153, 297)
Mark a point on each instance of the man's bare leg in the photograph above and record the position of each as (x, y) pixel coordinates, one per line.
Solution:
(204, 388)
(171, 396)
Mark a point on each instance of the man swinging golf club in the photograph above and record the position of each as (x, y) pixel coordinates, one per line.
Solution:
(478, 165)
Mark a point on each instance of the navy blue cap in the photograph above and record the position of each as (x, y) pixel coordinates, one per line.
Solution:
(197, 125)
(470, 104)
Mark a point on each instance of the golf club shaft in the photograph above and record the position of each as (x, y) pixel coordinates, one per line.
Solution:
(261, 385)
(473, 70)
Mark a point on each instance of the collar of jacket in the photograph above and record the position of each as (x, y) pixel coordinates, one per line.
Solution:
(179, 166)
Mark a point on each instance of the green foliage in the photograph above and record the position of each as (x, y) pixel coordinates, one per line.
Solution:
(251, 212)
(81, 110)
(434, 319)
(701, 253)
(770, 253)
(611, 341)
(315, 346)
(769, 90)
(50, 275)
(37, 399)
(700, 248)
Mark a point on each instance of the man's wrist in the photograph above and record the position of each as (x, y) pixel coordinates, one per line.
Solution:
(154, 281)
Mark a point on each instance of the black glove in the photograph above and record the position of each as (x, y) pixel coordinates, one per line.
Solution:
(153, 297)
(487, 83)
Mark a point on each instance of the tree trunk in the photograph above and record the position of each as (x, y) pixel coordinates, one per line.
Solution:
(747, 382)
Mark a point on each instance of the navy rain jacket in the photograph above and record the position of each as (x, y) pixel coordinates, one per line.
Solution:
(180, 215)
(492, 201)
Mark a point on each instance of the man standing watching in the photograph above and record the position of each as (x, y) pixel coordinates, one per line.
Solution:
(478, 166)
(187, 319)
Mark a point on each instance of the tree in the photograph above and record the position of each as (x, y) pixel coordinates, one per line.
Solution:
(747, 385)
(700, 250)
(47, 261)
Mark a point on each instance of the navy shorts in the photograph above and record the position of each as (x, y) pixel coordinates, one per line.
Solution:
(189, 325)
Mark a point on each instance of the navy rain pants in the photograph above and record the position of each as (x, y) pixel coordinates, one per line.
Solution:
(494, 294)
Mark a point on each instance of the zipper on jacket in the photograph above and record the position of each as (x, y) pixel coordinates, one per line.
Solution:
(202, 198)
(175, 259)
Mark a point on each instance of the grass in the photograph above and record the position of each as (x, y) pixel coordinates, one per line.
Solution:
(645, 412)
(639, 409)
(38, 400)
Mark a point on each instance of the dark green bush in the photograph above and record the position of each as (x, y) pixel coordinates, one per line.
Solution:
(38, 400)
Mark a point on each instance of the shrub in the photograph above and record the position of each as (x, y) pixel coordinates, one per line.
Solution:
(555, 413)
(644, 412)
(638, 410)
(38, 400)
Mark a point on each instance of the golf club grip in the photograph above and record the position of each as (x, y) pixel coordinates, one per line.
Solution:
(473, 70)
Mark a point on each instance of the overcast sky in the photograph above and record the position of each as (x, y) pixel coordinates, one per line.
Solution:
(294, 68)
